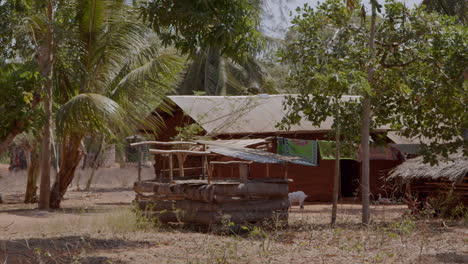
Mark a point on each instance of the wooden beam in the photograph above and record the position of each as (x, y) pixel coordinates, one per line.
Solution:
(209, 218)
(197, 206)
(230, 162)
(164, 143)
(244, 170)
(180, 160)
(204, 166)
(185, 169)
(171, 171)
(139, 163)
(210, 172)
(188, 152)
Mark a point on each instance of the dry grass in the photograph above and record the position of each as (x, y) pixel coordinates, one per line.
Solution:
(100, 227)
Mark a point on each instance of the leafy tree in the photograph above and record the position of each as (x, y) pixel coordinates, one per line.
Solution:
(110, 70)
(221, 39)
(406, 66)
(19, 100)
(227, 26)
(449, 7)
(14, 46)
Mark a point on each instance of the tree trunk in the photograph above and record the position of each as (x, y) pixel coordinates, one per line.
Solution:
(365, 128)
(46, 57)
(33, 173)
(70, 159)
(365, 161)
(336, 180)
(95, 164)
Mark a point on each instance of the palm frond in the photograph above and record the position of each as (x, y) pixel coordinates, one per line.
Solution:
(90, 113)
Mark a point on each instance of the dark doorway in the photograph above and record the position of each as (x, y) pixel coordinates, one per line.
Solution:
(350, 174)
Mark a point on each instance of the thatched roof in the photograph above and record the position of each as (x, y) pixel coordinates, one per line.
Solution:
(454, 169)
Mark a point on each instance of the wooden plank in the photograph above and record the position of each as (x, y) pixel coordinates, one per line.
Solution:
(253, 189)
(208, 218)
(153, 197)
(144, 187)
(164, 143)
(230, 162)
(271, 180)
(185, 169)
(188, 152)
(206, 192)
(197, 206)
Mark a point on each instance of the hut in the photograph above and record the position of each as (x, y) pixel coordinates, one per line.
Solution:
(424, 180)
(246, 122)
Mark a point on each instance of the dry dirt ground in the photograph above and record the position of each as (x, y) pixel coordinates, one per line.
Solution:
(98, 226)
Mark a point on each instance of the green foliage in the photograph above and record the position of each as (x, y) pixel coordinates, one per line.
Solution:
(215, 74)
(446, 205)
(13, 45)
(110, 68)
(449, 7)
(19, 83)
(418, 63)
(188, 132)
(229, 26)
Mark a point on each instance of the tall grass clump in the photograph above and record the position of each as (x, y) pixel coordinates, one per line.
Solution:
(128, 220)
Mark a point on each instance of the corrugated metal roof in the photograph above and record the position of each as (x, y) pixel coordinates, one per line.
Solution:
(255, 155)
(397, 138)
(242, 114)
(243, 155)
(236, 143)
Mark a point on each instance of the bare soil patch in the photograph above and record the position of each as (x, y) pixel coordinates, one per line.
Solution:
(98, 226)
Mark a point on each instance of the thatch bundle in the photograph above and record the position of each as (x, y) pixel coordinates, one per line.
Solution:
(453, 169)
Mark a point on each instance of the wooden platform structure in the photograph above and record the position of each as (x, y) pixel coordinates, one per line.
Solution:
(205, 200)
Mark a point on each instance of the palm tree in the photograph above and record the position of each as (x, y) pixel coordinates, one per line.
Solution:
(109, 71)
(214, 74)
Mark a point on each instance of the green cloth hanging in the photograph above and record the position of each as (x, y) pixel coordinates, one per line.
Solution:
(328, 150)
(305, 149)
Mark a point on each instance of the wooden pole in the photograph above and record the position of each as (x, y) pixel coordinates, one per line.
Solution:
(180, 160)
(244, 172)
(204, 163)
(204, 166)
(171, 172)
(210, 172)
(139, 163)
